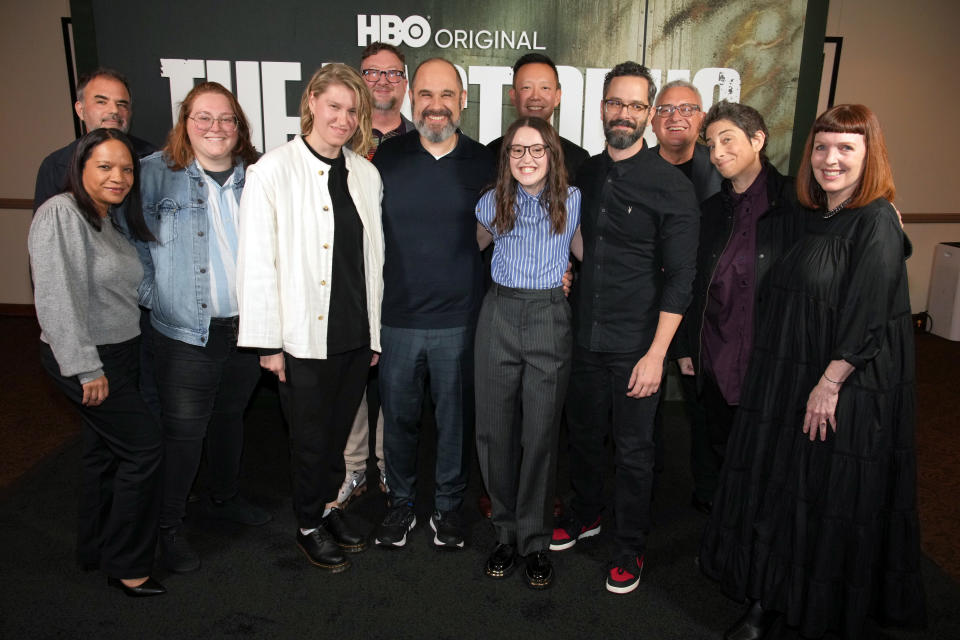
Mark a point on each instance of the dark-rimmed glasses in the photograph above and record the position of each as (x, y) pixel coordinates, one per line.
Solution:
(686, 109)
(373, 75)
(516, 151)
(614, 105)
(204, 122)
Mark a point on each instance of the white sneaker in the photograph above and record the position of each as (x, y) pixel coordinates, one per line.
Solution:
(355, 484)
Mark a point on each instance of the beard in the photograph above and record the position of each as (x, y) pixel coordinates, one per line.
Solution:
(385, 106)
(436, 135)
(620, 139)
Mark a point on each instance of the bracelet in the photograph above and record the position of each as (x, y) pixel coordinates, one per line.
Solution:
(829, 380)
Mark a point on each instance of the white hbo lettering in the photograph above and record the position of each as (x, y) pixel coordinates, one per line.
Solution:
(413, 31)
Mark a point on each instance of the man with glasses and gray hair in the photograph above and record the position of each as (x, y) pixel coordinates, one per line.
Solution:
(640, 225)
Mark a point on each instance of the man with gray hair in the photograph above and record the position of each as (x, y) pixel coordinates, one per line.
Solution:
(103, 100)
(677, 118)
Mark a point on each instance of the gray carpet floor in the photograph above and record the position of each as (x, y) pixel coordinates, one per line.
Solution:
(256, 583)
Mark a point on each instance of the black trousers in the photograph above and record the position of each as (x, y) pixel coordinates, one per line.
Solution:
(522, 355)
(598, 405)
(119, 466)
(319, 400)
(718, 424)
(203, 394)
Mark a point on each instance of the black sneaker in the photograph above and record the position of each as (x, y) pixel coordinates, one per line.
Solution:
(342, 534)
(176, 554)
(322, 550)
(446, 528)
(392, 532)
(624, 574)
(569, 530)
(238, 510)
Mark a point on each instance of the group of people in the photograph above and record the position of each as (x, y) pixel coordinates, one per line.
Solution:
(784, 302)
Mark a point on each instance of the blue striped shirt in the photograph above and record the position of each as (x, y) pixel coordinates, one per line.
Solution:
(531, 255)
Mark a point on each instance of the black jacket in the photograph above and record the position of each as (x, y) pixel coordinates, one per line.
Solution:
(777, 230)
(705, 178)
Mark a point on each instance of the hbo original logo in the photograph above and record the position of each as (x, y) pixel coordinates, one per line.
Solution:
(412, 32)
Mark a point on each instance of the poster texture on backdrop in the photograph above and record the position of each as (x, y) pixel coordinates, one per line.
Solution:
(740, 50)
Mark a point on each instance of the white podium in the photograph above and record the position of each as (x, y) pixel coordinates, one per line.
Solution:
(943, 303)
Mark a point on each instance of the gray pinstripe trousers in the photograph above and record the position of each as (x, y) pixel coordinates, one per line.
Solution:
(523, 352)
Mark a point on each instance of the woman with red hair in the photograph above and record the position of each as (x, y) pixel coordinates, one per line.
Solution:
(815, 519)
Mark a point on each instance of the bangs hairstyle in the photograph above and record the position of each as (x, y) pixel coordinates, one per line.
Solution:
(554, 194)
(179, 153)
(338, 73)
(132, 204)
(876, 181)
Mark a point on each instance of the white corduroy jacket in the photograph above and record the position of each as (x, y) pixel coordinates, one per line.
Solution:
(286, 249)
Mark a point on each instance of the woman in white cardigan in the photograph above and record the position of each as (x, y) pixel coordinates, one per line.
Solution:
(310, 283)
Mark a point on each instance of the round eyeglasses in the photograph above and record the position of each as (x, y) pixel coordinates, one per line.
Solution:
(686, 109)
(373, 75)
(204, 122)
(516, 151)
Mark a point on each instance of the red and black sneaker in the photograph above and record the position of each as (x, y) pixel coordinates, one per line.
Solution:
(569, 530)
(624, 574)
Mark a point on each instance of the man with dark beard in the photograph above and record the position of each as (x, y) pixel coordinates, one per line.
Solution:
(639, 222)
(432, 178)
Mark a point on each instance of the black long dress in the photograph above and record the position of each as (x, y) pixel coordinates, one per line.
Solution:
(827, 532)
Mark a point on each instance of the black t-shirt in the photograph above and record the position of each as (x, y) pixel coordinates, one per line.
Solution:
(349, 325)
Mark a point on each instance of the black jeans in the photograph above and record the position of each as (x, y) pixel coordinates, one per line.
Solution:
(119, 466)
(203, 393)
(597, 405)
(319, 400)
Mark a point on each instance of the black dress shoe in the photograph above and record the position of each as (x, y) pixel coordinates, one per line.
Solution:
(502, 561)
(703, 506)
(149, 588)
(756, 624)
(539, 570)
(342, 534)
(322, 551)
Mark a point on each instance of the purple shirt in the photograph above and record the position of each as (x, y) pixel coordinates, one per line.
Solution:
(727, 335)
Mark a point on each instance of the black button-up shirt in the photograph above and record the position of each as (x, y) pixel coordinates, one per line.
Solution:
(640, 223)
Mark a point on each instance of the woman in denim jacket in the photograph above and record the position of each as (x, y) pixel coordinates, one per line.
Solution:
(191, 190)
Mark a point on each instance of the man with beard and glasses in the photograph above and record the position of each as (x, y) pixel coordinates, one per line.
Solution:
(639, 223)
(382, 66)
(432, 179)
(103, 100)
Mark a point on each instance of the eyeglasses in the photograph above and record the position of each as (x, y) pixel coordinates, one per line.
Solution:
(686, 109)
(516, 151)
(204, 122)
(614, 105)
(373, 75)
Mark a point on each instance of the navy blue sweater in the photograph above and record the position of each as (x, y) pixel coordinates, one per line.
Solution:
(432, 274)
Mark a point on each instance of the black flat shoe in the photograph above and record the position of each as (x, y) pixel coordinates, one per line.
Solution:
(502, 561)
(539, 570)
(348, 540)
(756, 624)
(149, 588)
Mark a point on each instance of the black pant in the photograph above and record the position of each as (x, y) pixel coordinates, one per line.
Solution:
(203, 393)
(718, 422)
(119, 467)
(597, 405)
(319, 400)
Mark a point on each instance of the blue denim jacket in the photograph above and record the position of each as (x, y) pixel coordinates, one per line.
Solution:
(176, 285)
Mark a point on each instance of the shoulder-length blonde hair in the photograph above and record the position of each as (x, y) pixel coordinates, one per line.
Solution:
(178, 151)
(876, 181)
(338, 73)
